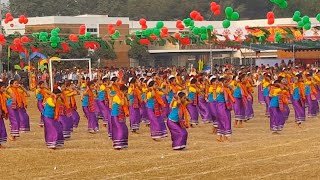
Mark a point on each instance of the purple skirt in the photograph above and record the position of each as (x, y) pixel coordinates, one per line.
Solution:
(179, 135)
(53, 133)
(318, 93)
(224, 120)
(3, 132)
(166, 110)
(204, 110)
(157, 126)
(75, 118)
(93, 125)
(24, 120)
(144, 113)
(239, 110)
(135, 118)
(67, 125)
(194, 114)
(249, 109)
(120, 133)
(213, 111)
(299, 111)
(97, 107)
(277, 120)
(313, 107)
(267, 102)
(286, 112)
(14, 119)
(105, 111)
(40, 108)
(260, 95)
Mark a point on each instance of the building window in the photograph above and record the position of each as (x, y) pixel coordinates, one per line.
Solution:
(92, 30)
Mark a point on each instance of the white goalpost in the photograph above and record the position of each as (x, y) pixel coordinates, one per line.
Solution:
(58, 60)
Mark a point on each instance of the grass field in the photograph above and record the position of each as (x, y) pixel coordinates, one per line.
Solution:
(254, 153)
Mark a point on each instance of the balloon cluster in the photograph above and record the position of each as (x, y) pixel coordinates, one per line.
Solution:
(23, 19)
(43, 36)
(270, 17)
(195, 15)
(303, 22)
(215, 8)
(188, 22)
(2, 39)
(73, 38)
(143, 23)
(231, 16)
(82, 29)
(55, 39)
(281, 3)
(24, 39)
(8, 18)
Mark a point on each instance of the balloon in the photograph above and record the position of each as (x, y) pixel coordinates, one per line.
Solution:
(112, 31)
(8, 15)
(217, 13)
(180, 26)
(213, 4)
(117, 33)
(196, 30)
(144, 41)
(270, 21)
(114, 37)
(152, 36)
(43, 38)
(203, 30)
(10, 18)
(119, 23)
(270, 15)
(235, 16)
(57, 30)
(318, 17)
(88, 34)
(144, 27)
(160, 25)
(307, 26)
(300, 24)
(210, 27)
(297, 13)
(193, 14)
(156, 32)
(54, 45)
(6, 21)
(24, 39)
(54, 39)
(163, 35)
(16, 41)
(204, 36)
(143, 22)
(21, 21)
(296, 18)
(177, 35)
(229, 11)
(165, 30)
(226, 23)
(54, 33)
(306, 19)
(149, 32)
(283, 5)
(26, 20)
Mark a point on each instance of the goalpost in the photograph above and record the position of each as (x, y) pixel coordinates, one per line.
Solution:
(58, 60)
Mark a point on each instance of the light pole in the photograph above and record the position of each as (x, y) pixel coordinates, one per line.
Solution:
(211, 60)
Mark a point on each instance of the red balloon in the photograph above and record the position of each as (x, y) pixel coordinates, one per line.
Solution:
(213, 4)
(112, 31)
(110, 26)
(180, 26)
(270, 15)
(217, 13)
(119, 23)
(177, 35)
(6, 21)
(24, 39)
(11, 25)
(179, 21)
(26, 20)
(1, 36)
(145, 41)
(194, 14)
(270, 21)
(185, 41)
(10, 18)
(163, 35)
(143, 22)
(144, 27)
(21, 20)
(82, 29)
(16, 41)
(165, 30)
(154, 37)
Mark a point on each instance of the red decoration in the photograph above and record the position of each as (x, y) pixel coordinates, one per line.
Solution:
(215, 8)
(177, 35)
(11, 25)
(270, 17)
(82, 29)
(153, 37)
(119, 23)
(144, 41)
(165, 30)
(24, 39)
(73, 38)
(143, 22)
(144, 27)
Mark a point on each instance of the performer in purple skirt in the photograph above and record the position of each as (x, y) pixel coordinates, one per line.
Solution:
(266, 85)
(154, 102)
(203, 106)
(103, 100)
(277, 120)
(298, 99)
(52, 127)
(24, 117)
(311, 97)
(194, 97)
(240, 96)
(88, 107)
(135, 99)
(178, 121)
(3, 114)
(119, 112)
(41, 94)
(213, 102)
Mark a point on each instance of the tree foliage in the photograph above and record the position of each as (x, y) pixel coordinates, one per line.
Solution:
(141, 54)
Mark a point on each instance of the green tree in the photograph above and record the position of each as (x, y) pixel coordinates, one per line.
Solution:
(141, 54)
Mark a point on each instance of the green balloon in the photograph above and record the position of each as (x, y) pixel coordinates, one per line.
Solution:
(88, 34)
(54, 45)
(210, 27)
(300, 24)
(235, 16)
(203, 30)
(226, 24)
(43, 39)
(318, 17)
(54, 33)
(229, 11)
(196, 30)
(297, 13)
(54, 39)
(307, 26)
(57, 29)
(191, 23)
(283, 5)
(296, 18)
(114, 37)
(156, 32)
(138, 33)
(160, 25)
(306, 19)
(204, 36)
(149, 32)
